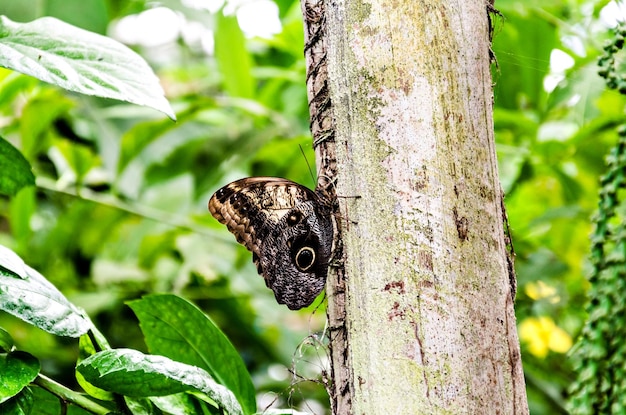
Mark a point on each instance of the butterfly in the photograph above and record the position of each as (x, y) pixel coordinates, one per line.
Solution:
(287, 227)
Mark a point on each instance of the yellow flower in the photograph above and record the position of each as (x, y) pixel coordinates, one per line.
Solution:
(542, 335)
(539, 290)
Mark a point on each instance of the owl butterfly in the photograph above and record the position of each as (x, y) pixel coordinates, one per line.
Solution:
(287, 227)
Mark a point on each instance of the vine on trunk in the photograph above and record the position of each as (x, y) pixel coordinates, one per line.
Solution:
(599, 357)
(323, 130)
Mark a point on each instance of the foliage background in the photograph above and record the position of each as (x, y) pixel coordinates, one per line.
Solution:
(120, 205)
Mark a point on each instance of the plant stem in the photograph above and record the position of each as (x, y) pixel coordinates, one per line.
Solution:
(69, 395)
(144, 211)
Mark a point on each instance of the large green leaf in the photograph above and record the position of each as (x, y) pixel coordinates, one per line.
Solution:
(175, 328)
(15, 171)
(17, 370)
(26, 294)
(132, 373)
(79, 61)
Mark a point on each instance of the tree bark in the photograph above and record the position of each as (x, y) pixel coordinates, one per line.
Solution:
(421, 305)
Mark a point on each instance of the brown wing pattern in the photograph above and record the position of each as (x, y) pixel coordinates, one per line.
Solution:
(289, 230)
(249, 207)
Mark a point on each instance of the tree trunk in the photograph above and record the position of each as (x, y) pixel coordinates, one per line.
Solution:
(421, 305)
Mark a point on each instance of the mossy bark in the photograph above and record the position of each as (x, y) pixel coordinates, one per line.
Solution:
(429, 322)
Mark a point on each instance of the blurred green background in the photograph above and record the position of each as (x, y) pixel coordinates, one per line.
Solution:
(120, 206)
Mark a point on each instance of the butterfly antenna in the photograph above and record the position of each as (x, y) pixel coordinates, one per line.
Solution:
(307, 162)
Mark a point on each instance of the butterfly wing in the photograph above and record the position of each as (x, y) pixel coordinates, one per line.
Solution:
(250, 207)
(286, 227)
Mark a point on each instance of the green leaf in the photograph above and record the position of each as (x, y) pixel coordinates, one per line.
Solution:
(86, 348)
(88, 14)
(132, 373)
(6, 341)
(14, 84)
(11, 262)
(18, 369)
(583, 84)
(22, 207)
(80, 61)
(149, 142)
(233, 58)
(15, 170)
(38, 117)
(26, 294)
(530, 61)
(21, 404)
(178, 404)
(176, 328)
(46, 403)
(141, 406)
(140, 136)
(80, 159)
